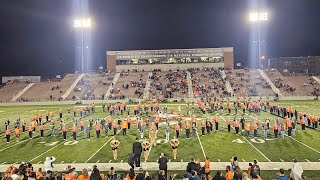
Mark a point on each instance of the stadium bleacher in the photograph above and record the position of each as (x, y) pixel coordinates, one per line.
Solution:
(9, 90)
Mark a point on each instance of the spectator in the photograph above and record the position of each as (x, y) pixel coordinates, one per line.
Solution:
(15, 175)
(219, 176)
(234, 164)
(131, 175)
(95, 175)
(112, 174)
(191, 166)
(39, 174)
(296, 170)
(229, 173)
(84, 175)
(245, 176)
(281, 175)
(255, 169)
(163, 163)
(140, 175)
(195, 175)
(162, 175)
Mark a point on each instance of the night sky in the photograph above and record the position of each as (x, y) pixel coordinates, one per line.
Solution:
(37, 37)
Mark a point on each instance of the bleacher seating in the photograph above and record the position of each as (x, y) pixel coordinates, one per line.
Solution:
(9, 90)
(48, 91)
(173, 84)
(129, 85)
(248, 82)
(293, 85)
(92, 86)
(208, 83)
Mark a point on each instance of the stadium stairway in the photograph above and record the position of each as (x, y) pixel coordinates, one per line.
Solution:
(21, 92)
(154, 166)
(316, 79)
(228, 85)
(190, 91)
(114, 81)
(73, 85)
(273, 87)
(147, 88)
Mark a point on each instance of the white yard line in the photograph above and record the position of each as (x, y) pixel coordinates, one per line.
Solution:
(299, 141)
(101, 147)
(307, 160)
(304, 144)
(204, 154)
(14, 145)
(251, 144)
(61, 162)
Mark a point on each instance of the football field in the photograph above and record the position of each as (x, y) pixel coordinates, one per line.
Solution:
(219, 146)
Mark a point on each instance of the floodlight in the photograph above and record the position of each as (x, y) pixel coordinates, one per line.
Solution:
(258, 16)
(82, 23)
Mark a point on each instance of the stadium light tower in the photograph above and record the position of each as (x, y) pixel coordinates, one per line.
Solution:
(258, 17)
(82, 24)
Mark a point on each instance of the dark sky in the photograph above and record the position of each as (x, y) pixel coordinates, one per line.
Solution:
(36, 36)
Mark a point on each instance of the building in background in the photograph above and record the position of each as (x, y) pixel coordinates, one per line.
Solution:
(169, 59)
(296, 65)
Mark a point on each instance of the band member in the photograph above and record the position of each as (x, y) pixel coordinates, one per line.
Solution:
(88, 129)
(203, 127)
(236, 126)
(174, 144)
(145, 146)
(30, 130)
(275, 130)
(98, 128)
(167, 130)
(187, 130)
(74, 132)
(64, 132)
(216, 122)
(124, 126)
(114, 145)
(17, 132)
(177, 129)
(8, 134)
(42, 127)
(115, 127)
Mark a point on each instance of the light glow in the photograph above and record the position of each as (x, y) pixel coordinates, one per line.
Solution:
(84, 23)
(258, 16)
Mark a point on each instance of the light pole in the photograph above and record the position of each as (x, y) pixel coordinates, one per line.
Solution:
(257, 18)
(82, 24)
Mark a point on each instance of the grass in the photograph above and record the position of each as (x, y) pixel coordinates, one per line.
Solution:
(217, 145)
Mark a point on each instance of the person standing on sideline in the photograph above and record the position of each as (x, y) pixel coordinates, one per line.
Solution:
(296, 170)
(137, 149)
(163, 163)
(207, 167)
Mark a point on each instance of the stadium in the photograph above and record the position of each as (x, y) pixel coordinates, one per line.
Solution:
(195, 112)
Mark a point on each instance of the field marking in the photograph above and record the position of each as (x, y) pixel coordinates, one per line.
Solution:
(204, 154)
(32, 138)
(249, 142)
(61, 162)
(281, 160)
(14, 145)
(3, 163)
(74, 162)
(304, 144)
(219, 160)
(102, 147)
(243, 160)
(120, 161)
(39, 162)
(307, 160)
(53, 148)
(297, 140)
(98, 161)
(110, 161)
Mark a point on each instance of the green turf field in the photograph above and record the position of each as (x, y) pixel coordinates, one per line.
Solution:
(218, 146)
